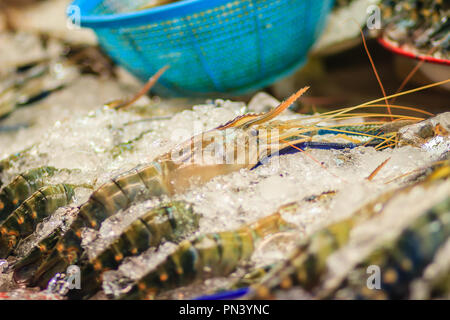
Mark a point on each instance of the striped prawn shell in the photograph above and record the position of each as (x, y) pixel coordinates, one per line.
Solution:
(402, 259)
(106, 201)
(24, 220)
(216, 254)
(121, 192)
(22, 187)
(167, 175)
(25, 268)
(253, 277)
(307, 263)
(173, 221)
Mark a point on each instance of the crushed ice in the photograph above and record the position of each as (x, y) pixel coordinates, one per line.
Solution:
(89, 146)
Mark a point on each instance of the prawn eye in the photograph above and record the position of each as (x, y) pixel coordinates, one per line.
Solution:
(253, 132)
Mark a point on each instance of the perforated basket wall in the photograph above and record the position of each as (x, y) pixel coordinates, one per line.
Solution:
(212, 46)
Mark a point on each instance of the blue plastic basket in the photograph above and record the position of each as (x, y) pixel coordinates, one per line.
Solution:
(212, 46)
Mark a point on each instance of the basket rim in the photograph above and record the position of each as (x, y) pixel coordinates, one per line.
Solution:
(163, 12)
(401, 51)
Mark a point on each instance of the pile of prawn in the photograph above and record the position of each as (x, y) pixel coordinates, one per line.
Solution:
(242, 143)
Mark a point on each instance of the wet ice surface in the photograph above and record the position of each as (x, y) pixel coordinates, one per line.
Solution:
(227, 202)
(396, 215)
(89, 143)
(250, 195)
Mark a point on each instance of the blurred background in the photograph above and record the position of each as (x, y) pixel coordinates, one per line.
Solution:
(337, 69)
